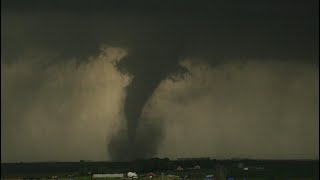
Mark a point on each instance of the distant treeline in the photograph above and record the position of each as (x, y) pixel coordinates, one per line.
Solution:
(294, 167)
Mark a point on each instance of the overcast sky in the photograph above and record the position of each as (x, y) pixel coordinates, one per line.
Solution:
(118, 80)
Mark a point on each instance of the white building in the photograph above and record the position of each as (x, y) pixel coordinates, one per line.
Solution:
(132, 175)
(107, 176)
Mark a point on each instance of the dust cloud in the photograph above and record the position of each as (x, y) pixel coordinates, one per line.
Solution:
(63, 112)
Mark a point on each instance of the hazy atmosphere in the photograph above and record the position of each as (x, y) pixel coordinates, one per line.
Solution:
(101, 80)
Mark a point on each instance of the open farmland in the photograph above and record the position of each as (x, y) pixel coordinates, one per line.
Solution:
(257, 169)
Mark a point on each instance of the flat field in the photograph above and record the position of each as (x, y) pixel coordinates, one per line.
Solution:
(258, 169)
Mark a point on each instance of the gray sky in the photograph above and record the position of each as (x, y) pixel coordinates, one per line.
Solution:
(87, 80)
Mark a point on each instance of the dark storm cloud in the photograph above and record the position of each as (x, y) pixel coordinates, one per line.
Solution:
(157, 36)
(250, 28)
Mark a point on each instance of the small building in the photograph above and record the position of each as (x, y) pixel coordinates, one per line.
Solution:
(209, 177)
(173, 176)
(96, 176)
(179, 168)
(151, 175)
(132, 175)
(196, 167)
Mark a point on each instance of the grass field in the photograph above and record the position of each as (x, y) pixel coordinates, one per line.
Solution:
(272, 170)
(168, 178)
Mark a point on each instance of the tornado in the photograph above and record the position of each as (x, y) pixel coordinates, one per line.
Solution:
(148, 67)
